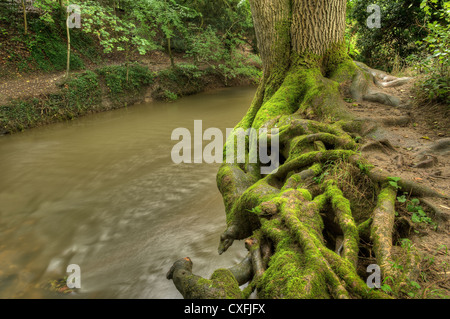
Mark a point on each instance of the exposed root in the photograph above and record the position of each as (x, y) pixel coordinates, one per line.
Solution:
(413, 188)
(304, 223)
(384, 146)
(382, 228)
(428, 162)
(438, 213)
(367, 80)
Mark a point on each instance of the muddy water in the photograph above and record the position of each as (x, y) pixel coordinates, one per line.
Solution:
(102, 192)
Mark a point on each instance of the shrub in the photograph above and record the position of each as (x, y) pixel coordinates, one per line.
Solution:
(121, 79)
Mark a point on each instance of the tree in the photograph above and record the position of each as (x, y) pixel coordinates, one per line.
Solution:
(116, 33)
(304, 222)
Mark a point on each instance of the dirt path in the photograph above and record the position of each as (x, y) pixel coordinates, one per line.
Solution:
(414, 144)
(35, 85)
(29, 86)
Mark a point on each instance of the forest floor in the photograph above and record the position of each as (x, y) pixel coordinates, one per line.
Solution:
(415, 145)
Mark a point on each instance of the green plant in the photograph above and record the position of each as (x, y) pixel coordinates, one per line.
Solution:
(413, 288)
(170, 95)
(418, 214)
(435, 85)
(120, 79)
(319, 179)
(406, 244)
(393, 181)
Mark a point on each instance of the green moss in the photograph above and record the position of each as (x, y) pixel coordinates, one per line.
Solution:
(305, 193)
(224, 280)
(296, 86)
(242, 212)
(291, 276)
(341, 206)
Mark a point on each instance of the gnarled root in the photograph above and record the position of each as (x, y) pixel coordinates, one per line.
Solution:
(382, 228)
(366, 81)
(292, 218)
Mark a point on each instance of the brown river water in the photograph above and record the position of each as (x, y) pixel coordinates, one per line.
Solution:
(103, 193)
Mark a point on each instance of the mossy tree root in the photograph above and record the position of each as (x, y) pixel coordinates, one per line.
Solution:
(366, 82)
(292, 217)
(382, 229)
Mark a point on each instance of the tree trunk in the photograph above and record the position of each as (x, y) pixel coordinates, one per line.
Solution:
(68, 45)
(169, 48)
(25, 24)
(311, 217)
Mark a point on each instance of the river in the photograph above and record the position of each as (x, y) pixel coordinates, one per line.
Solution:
(102, 192)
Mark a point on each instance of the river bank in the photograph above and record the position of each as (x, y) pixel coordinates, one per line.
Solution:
(51, 98)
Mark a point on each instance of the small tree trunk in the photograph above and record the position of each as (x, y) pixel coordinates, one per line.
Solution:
(25, 17)
(172, 62)
(68, 46)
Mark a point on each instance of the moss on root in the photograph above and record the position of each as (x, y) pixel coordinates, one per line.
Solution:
(324, 198)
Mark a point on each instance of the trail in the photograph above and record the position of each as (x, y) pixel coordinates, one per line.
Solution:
(34, 85)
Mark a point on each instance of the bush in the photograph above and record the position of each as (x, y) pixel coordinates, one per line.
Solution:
(82, 91)
(436, 84)
(119, 83)
(400, 29)
(48, 50)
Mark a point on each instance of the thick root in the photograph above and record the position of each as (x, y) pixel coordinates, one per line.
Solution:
(382, 228)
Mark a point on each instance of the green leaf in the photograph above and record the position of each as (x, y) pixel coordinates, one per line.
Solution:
(415, 218)
(415, 284)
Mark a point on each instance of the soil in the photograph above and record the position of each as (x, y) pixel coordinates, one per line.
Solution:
(415, 145)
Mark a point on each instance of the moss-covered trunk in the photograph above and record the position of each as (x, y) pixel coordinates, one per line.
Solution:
(310, 217)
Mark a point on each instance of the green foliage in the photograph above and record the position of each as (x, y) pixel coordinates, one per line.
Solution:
(47, 48)
(82, 91)
(223, 58)
(393, 181)
(231, 18)
(205, 46)
(115, 33)
(400, 28)
(418, 214)
(351, 34)
(118, 83)
(436, 84)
